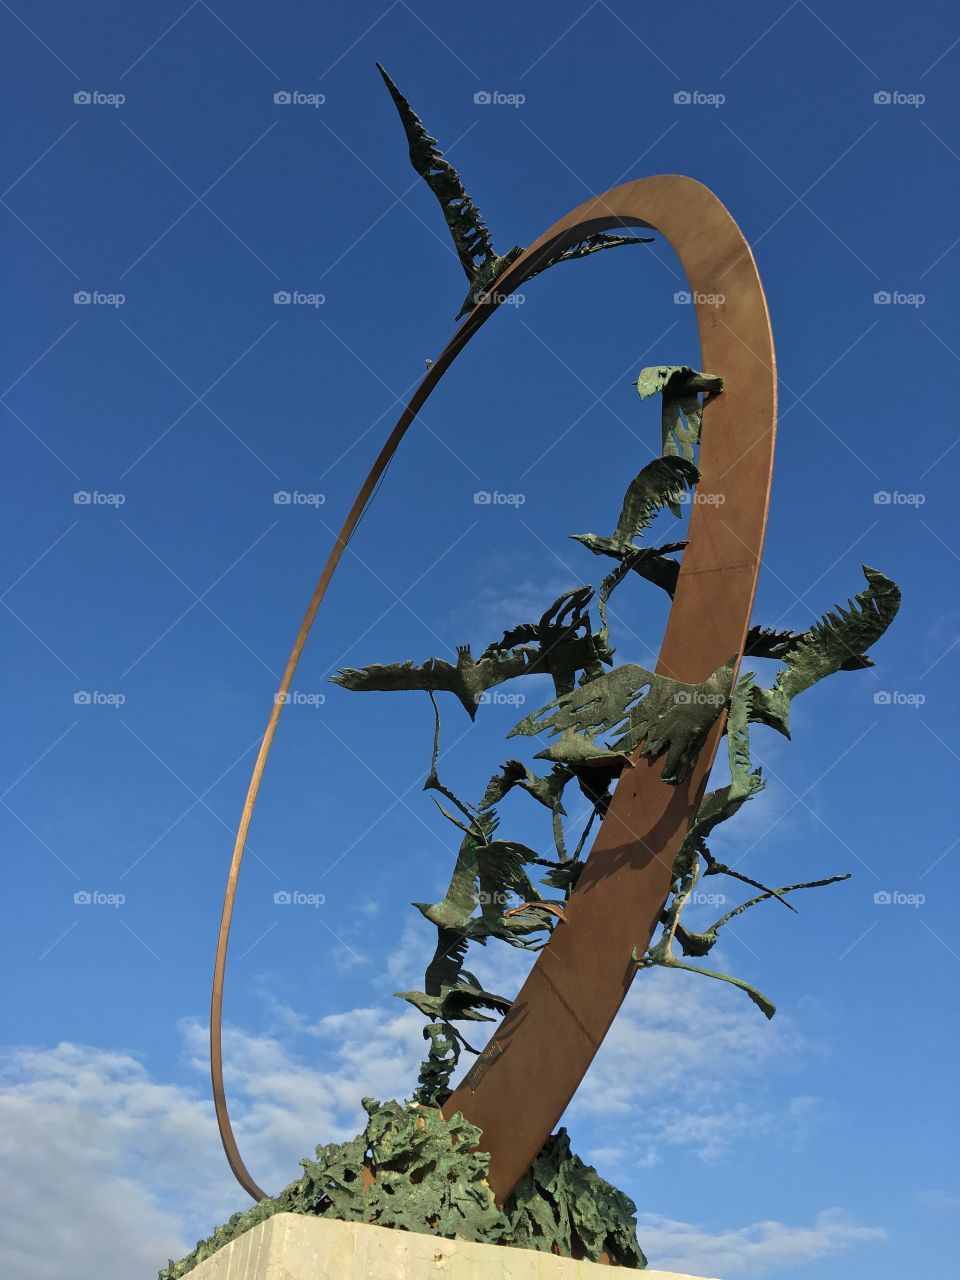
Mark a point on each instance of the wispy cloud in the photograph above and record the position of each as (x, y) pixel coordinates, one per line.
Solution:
(137, 1161)
(753, 1250)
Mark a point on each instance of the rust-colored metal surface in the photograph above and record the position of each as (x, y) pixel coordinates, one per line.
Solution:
(523, 1082)
(530, 1071)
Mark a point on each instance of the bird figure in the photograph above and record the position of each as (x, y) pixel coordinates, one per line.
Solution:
(663, 482)
(563, 645)
(471, 239)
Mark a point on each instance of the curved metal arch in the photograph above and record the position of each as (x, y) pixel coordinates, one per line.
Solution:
(524, 1080)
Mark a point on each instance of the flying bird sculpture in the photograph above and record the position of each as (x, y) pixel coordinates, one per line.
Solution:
(471, 239)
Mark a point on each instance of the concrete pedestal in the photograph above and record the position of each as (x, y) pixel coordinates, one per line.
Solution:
(293, 1246)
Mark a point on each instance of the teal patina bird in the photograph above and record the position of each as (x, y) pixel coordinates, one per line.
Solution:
(471, 239)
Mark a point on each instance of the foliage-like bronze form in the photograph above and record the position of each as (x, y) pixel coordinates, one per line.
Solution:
(412, 1170)
(471, 239)
(673, 716)
(600, 714)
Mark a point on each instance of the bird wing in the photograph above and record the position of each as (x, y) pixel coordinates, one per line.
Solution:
(672, 717)
(661, 483)
(681, 410)
(471, 239)
(837, 642)
(590, 244)
(433, 674)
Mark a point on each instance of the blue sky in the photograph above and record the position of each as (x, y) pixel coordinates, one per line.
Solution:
(811, 1145)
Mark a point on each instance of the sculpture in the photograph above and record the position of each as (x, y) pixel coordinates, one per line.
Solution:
(652, 733)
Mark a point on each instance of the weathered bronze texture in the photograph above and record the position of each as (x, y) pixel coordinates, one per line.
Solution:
(548, 1040)
(543, 1047)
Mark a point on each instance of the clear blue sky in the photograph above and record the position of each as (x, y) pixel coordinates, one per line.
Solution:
(822, 1143)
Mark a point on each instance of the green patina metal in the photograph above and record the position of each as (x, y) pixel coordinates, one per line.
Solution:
(428, 1177)
(427, 1174)
(500, 889)
(481, 263)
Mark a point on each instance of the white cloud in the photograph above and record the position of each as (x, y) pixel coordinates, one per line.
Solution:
(714, 1039)
(754, 1250)
(113, 1171)
(73, 1122)
(946, 1200)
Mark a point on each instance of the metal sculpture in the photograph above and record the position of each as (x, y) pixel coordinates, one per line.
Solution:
(670, 721)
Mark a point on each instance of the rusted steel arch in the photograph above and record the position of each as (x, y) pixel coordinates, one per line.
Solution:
(523, 1082)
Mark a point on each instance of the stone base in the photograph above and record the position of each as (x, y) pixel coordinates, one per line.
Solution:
(294, 1246)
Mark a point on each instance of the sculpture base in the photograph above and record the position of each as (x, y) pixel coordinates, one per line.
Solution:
(296, 1246)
